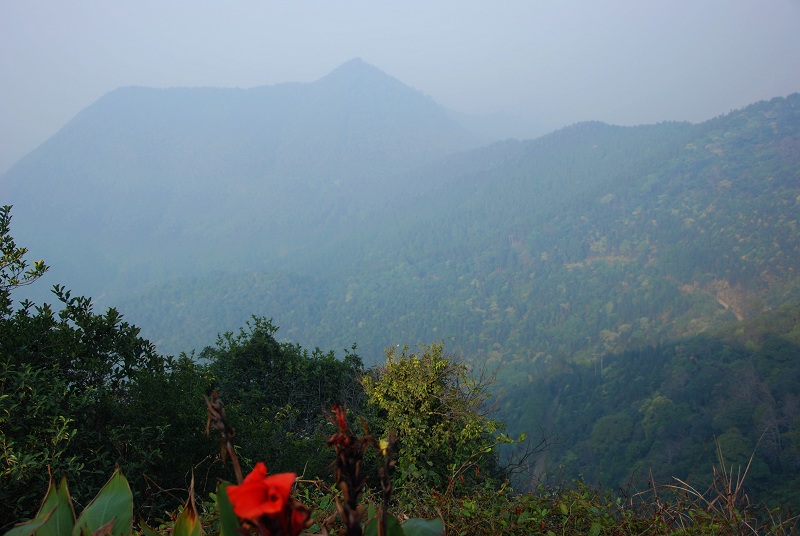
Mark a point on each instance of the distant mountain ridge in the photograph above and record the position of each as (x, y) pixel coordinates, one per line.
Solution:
(185, 167)
(626, 275)
(592, 239)
(362, 191)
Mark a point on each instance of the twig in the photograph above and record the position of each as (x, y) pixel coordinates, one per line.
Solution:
(216, 419)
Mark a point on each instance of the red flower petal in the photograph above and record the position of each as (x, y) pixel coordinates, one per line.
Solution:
(278, 489)
(260, 494)
(341, 418)
(259, 472)
(299, 520)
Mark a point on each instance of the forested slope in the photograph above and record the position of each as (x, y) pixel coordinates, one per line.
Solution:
(593, 239)
(654, 413)
(578, 264)
(146, 185)
(635, 288)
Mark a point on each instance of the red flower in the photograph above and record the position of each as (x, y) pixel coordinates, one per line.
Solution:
(340, 415)
(300, 519)
(260, 494)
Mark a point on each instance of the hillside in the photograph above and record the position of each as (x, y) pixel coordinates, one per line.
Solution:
(657, 412)
(355, 210)
(592, 239)
(147, 184)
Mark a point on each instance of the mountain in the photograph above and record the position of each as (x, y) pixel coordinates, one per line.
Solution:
(356, 210)
(635, 290)
(147, 184)
(592, 239)
(351, 210)
(652, 413)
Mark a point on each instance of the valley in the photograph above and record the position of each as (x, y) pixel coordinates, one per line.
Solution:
(620, 280)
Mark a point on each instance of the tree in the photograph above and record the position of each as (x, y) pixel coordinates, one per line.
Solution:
(14, 271)
(81, 393)
(278, 395)
(438, 411)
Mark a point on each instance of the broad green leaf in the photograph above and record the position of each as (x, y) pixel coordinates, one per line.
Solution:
(55, 516)
(423, 527)
(228, 522)
(594, 530)
(29, 527)
(105, 530)
(393, 527)
(62, 518)
(188, 522)
(50, 498)
(146, 530)
(114, 502)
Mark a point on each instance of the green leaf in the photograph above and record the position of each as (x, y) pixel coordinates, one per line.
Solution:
(187, 523)
(372, 512)
(106, 530)
(228, 522)
(594, 530)
(146, 530)
(114, 502)
(62, 517)
(55, 517)
(29, 527)
(423, 527)
(393, 527)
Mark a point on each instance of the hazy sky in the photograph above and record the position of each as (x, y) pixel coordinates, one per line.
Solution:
(551, 62)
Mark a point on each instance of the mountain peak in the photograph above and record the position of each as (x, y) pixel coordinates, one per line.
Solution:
(356, 66)
(357, 72)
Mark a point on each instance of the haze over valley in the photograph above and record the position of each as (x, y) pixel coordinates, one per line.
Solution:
(362, 191)
(634, 287)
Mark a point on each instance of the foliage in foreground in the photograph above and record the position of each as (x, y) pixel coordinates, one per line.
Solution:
(439, 413)
(82, 392)
(259, 503)
(265, 505)
(653, 413)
